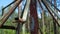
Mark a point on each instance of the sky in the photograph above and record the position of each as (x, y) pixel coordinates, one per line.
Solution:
(6, 2)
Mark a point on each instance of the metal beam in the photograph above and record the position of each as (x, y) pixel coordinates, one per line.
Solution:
(18, 25)
(6, 16)
(24, 13)
(52, 9)
(53, 5)
(50, 12)
(26, 10)
(8, 27)
(18, 29)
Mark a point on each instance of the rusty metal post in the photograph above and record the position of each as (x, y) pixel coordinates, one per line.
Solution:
(55, 25)
(18, 29)
(18, 25)
(33, 15)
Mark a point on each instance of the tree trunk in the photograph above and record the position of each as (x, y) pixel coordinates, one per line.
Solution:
(33, 15)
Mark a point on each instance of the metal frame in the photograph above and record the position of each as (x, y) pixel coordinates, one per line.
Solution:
(6, 16)
(49, 10)
(33, 13)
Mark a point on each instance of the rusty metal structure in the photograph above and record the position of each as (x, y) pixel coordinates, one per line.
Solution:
(31, 5)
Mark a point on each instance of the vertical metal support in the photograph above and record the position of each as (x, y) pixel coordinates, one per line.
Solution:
(43, 19)
(55, 29)
(33, 13)
(50, 23)
(28, 22)
(2, 12)
(24, 28)
(18, 29)
(18, 25)
(24, 17)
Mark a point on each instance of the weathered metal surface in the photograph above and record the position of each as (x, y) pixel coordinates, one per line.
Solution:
(52, 9)
(24, 17)
(8, 27)
(19, 23)
(24, 14)
(33, 14)
(18, 29)
(6, 16)
(55, 25)
(49, 10)
(53, 5)
(26, 10)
